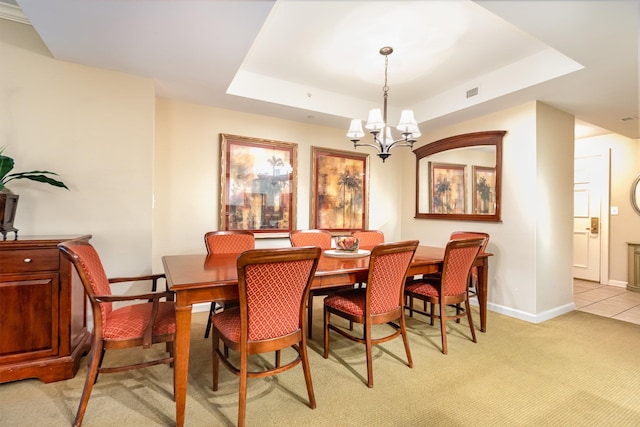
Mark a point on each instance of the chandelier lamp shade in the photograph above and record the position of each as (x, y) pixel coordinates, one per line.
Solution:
(377, 126)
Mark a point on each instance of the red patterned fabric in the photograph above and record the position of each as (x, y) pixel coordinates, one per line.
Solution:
(351, 302)
(311, 238)
(386, 281)
(369, 238)
(89, 261)
(455, 274)
(456, 235)
(457, 270)
(229, 243)
(274, 293)
(385, 287)
(228, 323)
(130, 321)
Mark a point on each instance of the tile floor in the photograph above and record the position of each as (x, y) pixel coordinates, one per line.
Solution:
(608, 301)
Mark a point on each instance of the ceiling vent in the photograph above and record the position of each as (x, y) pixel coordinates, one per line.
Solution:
(472, 92)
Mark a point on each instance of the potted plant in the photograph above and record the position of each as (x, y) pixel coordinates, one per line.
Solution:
(9, 200)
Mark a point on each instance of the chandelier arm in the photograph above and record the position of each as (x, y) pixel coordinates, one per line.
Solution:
(366, 144)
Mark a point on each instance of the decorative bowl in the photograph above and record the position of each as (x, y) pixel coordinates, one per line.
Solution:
(347, 243)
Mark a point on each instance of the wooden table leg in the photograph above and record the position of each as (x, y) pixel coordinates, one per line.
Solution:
(181, 365)
(481, 292)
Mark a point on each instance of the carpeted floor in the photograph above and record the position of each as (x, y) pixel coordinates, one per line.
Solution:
(575, 370)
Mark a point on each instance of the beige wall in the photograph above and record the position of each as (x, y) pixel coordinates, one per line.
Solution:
(187, 164)
(95, 129)
(530, 272)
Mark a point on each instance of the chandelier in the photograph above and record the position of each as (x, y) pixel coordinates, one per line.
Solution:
(377, 123)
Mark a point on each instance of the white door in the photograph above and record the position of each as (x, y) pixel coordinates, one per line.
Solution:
(587, 221)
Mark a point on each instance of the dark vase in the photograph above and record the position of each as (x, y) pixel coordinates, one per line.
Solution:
(8, 206)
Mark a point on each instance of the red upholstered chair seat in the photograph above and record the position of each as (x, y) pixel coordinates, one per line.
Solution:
(351, 302)
(422, 288)
(130, 321)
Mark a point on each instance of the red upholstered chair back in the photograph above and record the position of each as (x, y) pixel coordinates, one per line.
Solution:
(458, 259)
(388, 267)
(469, 235)
(456, 235)
(91, 272)
(369, 238)
(229, 242)
(273, 286)
(320, 238)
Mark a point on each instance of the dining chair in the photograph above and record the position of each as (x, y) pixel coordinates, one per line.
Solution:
(381, 302)
(273, 285)
(450, 288)
(473, 278)
(226, 242)
(368, 238)
(321, 239)
(133, 325)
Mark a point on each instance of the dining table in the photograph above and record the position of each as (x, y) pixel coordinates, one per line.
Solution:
(202, 278)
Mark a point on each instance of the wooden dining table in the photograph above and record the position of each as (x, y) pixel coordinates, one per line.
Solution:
(204, 278)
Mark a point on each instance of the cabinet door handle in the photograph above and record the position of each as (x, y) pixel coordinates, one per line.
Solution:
(27, 260)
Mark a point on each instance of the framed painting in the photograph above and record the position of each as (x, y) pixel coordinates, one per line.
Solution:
(339, 190)
(484, 190)
(258, 185)
(447, 188)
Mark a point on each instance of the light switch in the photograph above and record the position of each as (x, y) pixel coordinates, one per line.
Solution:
(614, 210)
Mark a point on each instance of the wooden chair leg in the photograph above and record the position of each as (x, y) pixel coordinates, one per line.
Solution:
(304, 355)
(212, 311)
(92, 375)
(468, 308)
(326, 333)
(242, 403)
(443, 326)
(433, 307)
(368, 345)
(310, 315)
(405, 340)
(215, 362)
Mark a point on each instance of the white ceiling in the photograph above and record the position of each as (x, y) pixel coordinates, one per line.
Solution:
(318, 61)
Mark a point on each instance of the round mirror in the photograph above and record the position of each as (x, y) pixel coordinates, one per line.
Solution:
(635, 195)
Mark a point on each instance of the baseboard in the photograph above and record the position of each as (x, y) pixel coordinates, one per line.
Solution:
(617, 283)
(203, 306)
(532, 318)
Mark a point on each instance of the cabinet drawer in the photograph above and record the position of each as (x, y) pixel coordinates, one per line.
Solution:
(23, 261)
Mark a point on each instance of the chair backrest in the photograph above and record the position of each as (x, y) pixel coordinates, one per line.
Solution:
(320, 238)
(388, 267)
(273, 287)
(229, 242)
(459, 256)
(369, 238)
(469, 235)
(89, 267)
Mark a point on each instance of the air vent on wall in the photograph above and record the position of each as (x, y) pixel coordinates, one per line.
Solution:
(472, 92)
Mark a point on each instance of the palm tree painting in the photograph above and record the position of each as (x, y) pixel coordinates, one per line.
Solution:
(339, 190)
(447, 188)
(258, 179)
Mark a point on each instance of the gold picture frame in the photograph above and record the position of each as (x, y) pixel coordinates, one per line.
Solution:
(258, 185)
(484, 190)
(339, 190)
(447, 189)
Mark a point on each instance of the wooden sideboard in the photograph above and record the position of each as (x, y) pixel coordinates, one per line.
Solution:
(43, 321)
